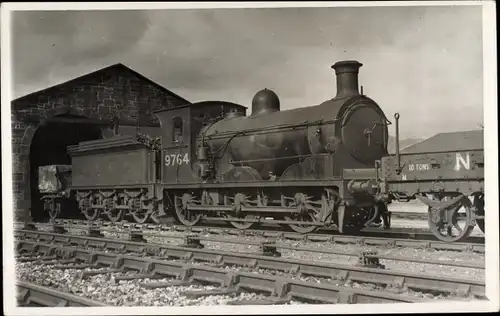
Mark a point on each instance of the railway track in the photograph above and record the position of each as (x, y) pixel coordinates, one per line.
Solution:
(29, 294)
(414, 238)
(182, 263)
(278, 289)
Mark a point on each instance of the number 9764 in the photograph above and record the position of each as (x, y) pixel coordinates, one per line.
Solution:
(176, 159)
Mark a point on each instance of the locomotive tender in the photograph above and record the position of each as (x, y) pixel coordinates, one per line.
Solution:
(305, 168)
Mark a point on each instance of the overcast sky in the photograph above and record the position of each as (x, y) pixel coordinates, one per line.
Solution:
(423, 62)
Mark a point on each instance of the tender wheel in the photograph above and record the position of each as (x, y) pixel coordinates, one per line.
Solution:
(240, 200)
(186, 217)
(141, 216)
(114, 214)
(479, 205)
(453, 223)
(90, 213)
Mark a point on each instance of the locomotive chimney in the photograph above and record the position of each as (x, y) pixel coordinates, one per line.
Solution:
(347, 78)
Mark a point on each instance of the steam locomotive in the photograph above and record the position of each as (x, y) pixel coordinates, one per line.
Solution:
(305, 168)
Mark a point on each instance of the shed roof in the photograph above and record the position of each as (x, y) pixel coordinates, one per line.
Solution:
(119, 66)
(453, 141)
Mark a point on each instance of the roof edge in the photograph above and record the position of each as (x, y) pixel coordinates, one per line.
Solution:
(140, 76)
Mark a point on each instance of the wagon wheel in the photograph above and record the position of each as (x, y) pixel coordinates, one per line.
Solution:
(479, 205)
(445, 224)
(90, 213)
(308, 214)
(185, 216)
(240, 200)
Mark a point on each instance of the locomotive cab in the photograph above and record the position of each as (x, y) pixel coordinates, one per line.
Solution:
(180, 126)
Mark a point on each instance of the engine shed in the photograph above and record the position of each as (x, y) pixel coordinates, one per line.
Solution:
(45, 122)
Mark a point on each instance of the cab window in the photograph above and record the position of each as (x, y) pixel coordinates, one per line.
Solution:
(177, 132)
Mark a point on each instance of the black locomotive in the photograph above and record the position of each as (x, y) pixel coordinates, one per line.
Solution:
(305, 168)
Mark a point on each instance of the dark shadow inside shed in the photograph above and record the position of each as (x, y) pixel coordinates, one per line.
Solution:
(48, 147)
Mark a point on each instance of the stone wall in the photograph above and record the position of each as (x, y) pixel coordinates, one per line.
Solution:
(113, 91)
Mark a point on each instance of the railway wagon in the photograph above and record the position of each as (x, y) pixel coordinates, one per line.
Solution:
(450, 183)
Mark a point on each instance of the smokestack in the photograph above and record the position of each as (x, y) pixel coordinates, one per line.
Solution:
(347, 78)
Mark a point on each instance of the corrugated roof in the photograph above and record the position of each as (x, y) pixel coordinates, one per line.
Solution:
(464, 140)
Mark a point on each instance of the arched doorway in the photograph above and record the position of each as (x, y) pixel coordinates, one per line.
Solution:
(48, 147)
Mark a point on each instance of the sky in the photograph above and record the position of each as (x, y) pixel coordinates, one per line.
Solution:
(424, 62)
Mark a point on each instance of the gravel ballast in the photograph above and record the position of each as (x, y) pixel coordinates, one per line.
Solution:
(123, 293)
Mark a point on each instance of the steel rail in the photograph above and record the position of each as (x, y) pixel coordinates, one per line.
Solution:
(138, 235)
(368, 231)
(313, 237)
(34, 294)
(388, 278)
(408, 232)
(279, 289)
(397, 233)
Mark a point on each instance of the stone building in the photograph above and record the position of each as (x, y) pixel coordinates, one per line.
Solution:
(45, 122)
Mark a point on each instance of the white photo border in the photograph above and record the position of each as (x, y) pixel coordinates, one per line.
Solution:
(490, 147)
